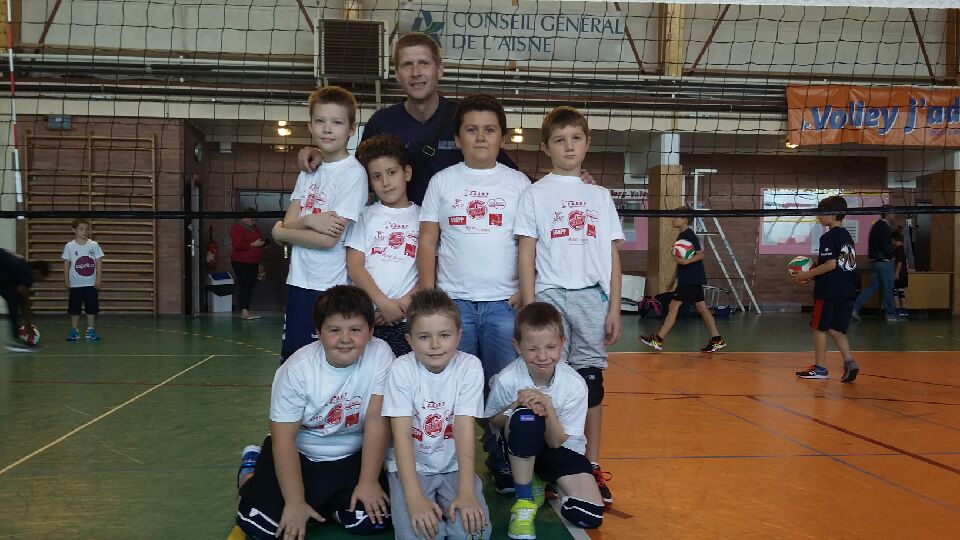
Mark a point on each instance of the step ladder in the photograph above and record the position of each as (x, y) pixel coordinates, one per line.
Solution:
(700, 228)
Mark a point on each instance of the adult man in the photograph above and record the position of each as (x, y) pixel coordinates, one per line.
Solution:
(880, 251)
(16, 277)
(424, 120)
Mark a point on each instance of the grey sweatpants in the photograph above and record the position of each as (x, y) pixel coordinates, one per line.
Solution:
(584, 312)
(441, 489)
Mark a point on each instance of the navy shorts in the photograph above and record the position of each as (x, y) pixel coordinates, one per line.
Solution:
(832, 315)
(688, 294)
(83, 296)
(298, 327)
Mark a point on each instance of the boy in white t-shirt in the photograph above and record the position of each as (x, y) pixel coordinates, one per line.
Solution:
(323, 458)
(82, 275)
(568, 234)
(540, 405)
(382, 245)
(470, 208)
(322, 206)
(434, 394)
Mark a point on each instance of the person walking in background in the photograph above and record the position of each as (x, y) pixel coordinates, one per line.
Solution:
(246, 254)
(880, 251)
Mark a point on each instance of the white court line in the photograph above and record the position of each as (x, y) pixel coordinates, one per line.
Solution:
(97, 419)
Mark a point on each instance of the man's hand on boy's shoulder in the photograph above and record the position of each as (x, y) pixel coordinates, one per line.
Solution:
(309, 158)
(586, 177)
(375, 501)
(293, 521)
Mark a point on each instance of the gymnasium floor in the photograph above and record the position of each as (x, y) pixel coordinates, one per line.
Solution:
(138, 436)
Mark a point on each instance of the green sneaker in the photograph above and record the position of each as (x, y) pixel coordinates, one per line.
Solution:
(539, 491)
(521, 525)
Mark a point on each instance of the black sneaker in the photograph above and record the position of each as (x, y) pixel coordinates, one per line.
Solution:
(503, 481)
(601, 477)
(715, 345)
(813, 372)
(653, 341)
(850, 371)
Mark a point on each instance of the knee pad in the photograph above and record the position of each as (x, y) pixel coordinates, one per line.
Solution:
(581, 513)
(358, 523)
(594, 379)
(527, 432)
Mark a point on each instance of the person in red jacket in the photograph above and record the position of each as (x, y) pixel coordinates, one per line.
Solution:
(247, 251)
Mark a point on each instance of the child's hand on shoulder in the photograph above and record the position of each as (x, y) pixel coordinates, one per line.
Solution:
(374, 500)
(425, 516)
(293, 521)
(470, 512)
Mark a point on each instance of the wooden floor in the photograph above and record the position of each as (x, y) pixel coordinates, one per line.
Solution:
(138, 436)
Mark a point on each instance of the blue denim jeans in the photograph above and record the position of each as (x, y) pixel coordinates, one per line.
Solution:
(488, 334)
(882, 277)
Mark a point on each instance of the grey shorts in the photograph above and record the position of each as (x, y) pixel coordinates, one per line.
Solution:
(584, 311)
(442, 489)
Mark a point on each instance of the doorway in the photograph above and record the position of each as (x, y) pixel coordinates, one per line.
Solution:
(271, 293)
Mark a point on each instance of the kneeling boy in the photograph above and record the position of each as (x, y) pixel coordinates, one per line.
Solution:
(324, 408)
(540, 406)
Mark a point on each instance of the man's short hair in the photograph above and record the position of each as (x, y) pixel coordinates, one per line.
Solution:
(480, 102)
(835, 204)
(428, 302)
(561, 117)
(383, 145)
(336, 95)
(414, 39)
(537, 316)
(344, 300)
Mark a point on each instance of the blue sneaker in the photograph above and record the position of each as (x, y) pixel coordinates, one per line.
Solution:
(92, 335)
(813, 372)
(74, 335)
(248, 462)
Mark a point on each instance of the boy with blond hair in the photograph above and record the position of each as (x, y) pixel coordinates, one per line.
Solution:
(322, 206)
(568, 232)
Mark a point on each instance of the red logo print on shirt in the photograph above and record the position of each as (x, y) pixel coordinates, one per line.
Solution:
(85, 266)
(457, 220)
(352, 420)
(433, 425)
(497, 204)
(448, 433)
(559, 233)
(591, 230)
(577, 219)
(396, 239)
(417, 434)
(477, 209)
(335, 415)
(378, 250)
(410, 250)
(496, 220)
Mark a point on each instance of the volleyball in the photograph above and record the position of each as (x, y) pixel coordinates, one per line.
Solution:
(799, 264)
(683, 249)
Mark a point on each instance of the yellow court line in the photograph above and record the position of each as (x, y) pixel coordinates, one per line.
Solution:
(101, 417)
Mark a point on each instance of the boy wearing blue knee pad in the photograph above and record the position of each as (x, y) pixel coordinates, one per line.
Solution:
(539, 405)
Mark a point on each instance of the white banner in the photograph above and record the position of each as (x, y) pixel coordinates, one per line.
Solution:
(501, 31)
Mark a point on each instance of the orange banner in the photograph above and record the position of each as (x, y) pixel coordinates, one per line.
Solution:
(889, 115)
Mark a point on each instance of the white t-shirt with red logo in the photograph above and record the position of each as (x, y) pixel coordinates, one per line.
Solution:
(567, 391)
(574, 224)
(476, 210)
(433, 400)
(339, 187)
(388, 238)
(330, 403)
(83, 262)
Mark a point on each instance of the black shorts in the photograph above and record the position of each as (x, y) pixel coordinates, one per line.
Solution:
(83, 296)
(553, 463)
(327, 485)
(594, 379)
(832, 315)
(688, 294)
